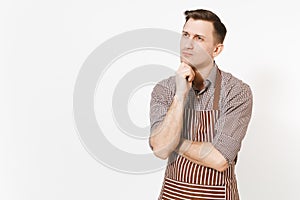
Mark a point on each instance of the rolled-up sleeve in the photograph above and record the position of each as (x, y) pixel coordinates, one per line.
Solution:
(232, 124)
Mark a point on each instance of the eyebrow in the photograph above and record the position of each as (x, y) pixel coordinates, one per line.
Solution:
(194, 35)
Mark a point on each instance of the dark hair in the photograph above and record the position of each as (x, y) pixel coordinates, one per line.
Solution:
(206, 15)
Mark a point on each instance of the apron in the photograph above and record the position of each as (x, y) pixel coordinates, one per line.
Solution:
(185, 179)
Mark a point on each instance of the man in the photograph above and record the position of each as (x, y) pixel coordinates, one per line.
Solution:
(200, 116)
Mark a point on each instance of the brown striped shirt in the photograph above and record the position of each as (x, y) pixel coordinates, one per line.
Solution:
(235, 108)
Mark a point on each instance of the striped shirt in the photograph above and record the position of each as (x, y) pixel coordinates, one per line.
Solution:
(235, 108)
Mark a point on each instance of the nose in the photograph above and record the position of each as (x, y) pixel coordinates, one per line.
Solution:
(188, 43)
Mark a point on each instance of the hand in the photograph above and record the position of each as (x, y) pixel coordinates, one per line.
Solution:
(184, 78)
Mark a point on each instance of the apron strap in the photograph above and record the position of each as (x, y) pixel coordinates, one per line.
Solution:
(217, 90)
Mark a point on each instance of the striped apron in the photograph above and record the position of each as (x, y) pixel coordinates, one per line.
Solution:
(187, 180)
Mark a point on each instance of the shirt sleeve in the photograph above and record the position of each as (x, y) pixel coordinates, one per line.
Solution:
(233, 122)
(161, 99)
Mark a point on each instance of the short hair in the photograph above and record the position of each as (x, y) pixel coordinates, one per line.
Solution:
(206, 15)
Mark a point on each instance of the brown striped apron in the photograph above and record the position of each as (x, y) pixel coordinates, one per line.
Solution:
(185, 179)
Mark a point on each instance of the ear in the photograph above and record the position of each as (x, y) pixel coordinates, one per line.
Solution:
(218, 49)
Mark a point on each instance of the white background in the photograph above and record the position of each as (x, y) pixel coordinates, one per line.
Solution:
(43, 45)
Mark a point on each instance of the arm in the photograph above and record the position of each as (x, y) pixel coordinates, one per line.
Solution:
(231, 128)
(166, 136)
(202, 153)
(232, 125)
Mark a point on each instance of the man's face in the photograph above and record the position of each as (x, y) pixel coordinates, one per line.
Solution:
(197, 43)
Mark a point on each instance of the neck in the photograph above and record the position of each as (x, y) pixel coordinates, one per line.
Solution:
(205, 70)
(201, 74)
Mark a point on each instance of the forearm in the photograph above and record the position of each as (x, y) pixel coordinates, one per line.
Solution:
(202, 153)
(165, 138)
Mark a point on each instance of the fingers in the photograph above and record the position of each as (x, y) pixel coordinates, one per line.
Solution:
(186, 72)
(184, 77)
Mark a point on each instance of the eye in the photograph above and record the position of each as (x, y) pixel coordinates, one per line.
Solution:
(199, 38)
(185, 34)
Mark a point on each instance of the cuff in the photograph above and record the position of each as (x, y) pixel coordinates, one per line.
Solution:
(227, 146)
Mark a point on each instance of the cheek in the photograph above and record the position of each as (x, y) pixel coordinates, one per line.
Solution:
(183, 41)
(208, 49)
(211, 49)
(210, 52)
(202, 49)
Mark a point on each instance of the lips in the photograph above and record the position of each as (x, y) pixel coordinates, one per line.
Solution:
(185, 53)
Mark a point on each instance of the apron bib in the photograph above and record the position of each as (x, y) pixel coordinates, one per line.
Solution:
(185, 179)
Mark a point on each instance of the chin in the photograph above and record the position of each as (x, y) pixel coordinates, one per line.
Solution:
(187, 59)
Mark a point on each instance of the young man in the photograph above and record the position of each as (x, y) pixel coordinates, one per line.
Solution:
(200, 116)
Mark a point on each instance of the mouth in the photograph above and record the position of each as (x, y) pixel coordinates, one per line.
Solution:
(186, 54)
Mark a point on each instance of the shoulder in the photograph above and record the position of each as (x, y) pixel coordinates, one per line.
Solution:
(233, 86)
(164, 91)
(164, 85)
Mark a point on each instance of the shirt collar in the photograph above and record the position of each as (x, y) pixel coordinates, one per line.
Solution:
(210, 80)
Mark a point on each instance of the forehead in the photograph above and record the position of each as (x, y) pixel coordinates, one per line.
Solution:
(199, 27)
